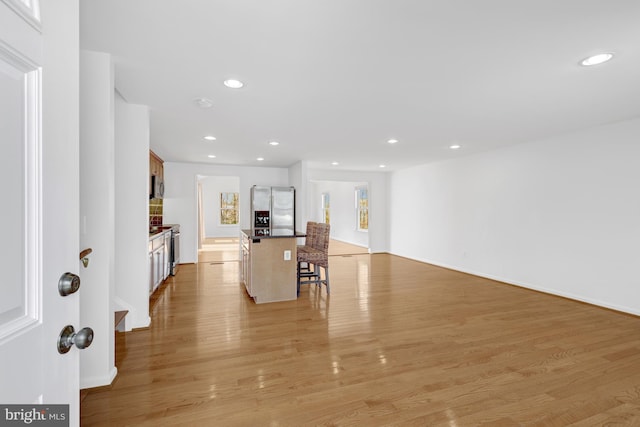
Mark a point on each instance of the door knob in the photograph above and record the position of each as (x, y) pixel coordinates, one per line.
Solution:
(68, 337)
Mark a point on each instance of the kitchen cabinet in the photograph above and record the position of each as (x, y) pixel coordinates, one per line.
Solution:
(268, 269)
(156, 165)
(158, 259)
(167, 255)
(151, 270)
(245, 271)
(156, 175)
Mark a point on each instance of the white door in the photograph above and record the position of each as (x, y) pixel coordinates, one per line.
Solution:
(39, 190)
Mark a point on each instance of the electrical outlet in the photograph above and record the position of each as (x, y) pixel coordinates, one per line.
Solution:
(287, 255)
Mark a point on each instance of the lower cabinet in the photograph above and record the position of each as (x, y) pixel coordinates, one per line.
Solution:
(158, 264)
(151, 275)
(245, 269)
(268, 268)
(166, 265)
(158, 260)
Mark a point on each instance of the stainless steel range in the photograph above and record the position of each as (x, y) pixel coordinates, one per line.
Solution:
(175, 248)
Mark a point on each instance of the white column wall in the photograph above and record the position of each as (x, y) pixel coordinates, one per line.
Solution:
(97, 223)
(298, 180)
(131, 213)
(561, 215)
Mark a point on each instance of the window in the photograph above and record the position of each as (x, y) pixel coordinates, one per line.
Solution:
(362, 208)
(229, 208)
(325, 208)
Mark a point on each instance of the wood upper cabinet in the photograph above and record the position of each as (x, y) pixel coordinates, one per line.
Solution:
(156, 169)
(155, 165)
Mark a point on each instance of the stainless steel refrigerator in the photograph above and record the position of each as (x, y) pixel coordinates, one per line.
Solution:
(273, 211)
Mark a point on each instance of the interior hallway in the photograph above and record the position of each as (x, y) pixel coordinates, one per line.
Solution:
(397, 342)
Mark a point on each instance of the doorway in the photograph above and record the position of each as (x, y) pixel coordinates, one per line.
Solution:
(342, 210)
(218, 218)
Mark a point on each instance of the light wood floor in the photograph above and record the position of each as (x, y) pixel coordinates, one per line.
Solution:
(396, 343)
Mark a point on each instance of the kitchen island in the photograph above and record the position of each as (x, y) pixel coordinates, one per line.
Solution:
(268, 269)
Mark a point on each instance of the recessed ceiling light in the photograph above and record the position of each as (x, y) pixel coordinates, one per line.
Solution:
(203, 102)
(274, 143)
(233, 84)
(392, 141)
(596, 59)
(383, 166)
(211, 156)
(335, 163)
(455, 146)
(260, 159)
(210, 138)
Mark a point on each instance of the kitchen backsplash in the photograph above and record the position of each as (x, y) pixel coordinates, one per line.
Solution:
(155, 212)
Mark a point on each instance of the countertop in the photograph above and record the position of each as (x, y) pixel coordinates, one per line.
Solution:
(251, 234)
(156, 233)
(156, 230)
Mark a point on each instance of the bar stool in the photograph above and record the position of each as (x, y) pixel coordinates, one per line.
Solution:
(315, 254)
(305, 267)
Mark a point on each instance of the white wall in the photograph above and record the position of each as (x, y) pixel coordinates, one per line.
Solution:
(212, 186)
(377, 183)
(131, 213)
(97, 223)
(180, 203)
(298, 180)
(342, 210)
(560, 215)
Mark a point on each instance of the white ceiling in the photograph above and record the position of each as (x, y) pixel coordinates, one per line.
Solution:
(333, 80)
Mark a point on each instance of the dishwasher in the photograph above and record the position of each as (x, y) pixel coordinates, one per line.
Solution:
(175, 248)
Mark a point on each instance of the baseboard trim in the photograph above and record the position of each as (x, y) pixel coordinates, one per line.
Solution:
(101, 381)
(349, 243)
(547, 291)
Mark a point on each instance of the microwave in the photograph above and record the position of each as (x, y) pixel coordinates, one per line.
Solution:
(156, 190)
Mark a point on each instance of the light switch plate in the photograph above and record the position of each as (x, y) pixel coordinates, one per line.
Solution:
(287, 255)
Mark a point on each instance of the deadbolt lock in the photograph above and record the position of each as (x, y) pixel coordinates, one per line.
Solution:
(68, 284)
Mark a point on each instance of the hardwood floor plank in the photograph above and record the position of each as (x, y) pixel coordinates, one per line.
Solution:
(397, 342)
(622, 415)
